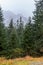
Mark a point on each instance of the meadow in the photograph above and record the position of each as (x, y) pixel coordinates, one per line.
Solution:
(22, 61)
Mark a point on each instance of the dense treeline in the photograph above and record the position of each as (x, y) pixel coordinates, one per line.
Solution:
(23, 40)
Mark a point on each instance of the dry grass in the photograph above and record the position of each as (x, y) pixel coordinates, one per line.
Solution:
(22, 61)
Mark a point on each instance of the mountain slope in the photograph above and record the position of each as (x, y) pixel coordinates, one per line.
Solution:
(8, 15)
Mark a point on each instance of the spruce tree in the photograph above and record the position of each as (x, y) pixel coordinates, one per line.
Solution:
(38, 26)
(27, 41)
(2, 33)
(20, 30)
(12, 38)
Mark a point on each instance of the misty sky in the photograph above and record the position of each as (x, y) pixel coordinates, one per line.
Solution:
(25, 7)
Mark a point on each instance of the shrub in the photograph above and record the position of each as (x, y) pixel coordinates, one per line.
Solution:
(14, 53)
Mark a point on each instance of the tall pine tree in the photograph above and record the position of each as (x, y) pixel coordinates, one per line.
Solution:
(28, 39)
(38, 28)
(20, 31)
(12, 37)
(2, 33)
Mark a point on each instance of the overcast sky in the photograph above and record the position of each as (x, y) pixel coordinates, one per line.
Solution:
(25, 7)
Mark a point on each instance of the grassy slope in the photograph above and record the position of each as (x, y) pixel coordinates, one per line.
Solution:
(22, 61)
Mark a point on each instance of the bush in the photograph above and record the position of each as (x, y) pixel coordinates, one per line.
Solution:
(14, 53)
(18, 52)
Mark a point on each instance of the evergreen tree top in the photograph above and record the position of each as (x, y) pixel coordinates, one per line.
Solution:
(1, 15)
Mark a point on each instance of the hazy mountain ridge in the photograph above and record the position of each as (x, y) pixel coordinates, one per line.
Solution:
(8, 15)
